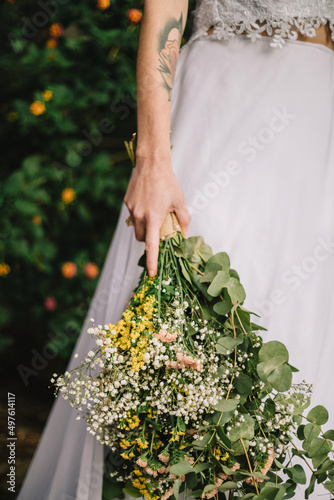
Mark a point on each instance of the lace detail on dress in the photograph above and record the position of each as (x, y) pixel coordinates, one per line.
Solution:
(277, 18)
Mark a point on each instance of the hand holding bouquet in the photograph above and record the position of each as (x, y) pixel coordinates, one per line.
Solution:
(188, 398)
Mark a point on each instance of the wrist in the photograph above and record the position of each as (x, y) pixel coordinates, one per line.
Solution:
(152, 156)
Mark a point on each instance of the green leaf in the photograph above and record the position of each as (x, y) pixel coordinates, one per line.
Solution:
(326, 466)
(223, 438)
(218, 262)
(226, 405)
(191, 480)
(201, 467)
(182, 468)
(297, 474)
(329, 435)
(310, 488)
(209, 487)
(279, 378)
(329, 485)
(318, 415)
(236, 291)
(243, 384)
(176, 487)
(229, 485)
(311, 431)
(226, 345)
(272, 349)
(26, 207)
(184, 271)
(200, 444)
(245, 430)
(111, 490)
(218, 283)
(318, 447)
(222, 308)
(132, 491)
(273, 368)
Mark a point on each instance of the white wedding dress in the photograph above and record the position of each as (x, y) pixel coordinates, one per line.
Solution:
(253, 150)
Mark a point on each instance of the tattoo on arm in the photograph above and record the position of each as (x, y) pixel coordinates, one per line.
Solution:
(169, 47)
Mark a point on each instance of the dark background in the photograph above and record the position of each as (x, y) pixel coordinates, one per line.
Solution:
(67, 103)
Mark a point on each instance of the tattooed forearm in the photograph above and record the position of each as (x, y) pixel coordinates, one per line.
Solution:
(169, 46)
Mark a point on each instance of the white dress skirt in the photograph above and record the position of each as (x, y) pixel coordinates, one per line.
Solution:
(253, 150)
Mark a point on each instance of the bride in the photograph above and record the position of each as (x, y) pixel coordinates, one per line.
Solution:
(247, 105)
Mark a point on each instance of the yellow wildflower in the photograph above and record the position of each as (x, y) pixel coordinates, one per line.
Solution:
(47, 95)
(125, 444)
(142, 443)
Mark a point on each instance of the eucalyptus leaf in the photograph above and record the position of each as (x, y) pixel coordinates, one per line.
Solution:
(176, 488)
(297, 474)
(132, 491)
(227, 344)
(318, 415)
(218, 262)
(229, 485)
(236, 291)
(222, 308)
(226, 405)
(243, 384)
(182, 468)
(219, 282)
(311, 431)
(245, 430)
(329, 435)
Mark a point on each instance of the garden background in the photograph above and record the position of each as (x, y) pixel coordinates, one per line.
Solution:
(67, 105)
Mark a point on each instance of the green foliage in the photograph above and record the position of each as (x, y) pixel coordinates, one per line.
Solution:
(67, 106)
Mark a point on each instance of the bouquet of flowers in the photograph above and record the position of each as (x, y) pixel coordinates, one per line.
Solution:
(187, 396)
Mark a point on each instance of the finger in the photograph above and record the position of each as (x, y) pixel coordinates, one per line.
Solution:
(184, 219)
(152, 247)
(139, 229)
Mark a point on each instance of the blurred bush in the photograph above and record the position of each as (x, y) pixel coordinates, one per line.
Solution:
(67, 106)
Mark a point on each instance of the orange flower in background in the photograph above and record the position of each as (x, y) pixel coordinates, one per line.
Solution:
(37, 108)
(52, 43)
(47, 95)
(37, 219)
(68, 195)
(56, 30)
(134, 15)
(50, 303)
(91, 270)
(69, 270)
(103, 4)
(12, 116)
(4, 269)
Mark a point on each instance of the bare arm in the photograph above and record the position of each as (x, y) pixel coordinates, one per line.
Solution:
(153, 190)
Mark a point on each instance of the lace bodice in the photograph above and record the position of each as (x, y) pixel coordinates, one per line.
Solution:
(278, 18)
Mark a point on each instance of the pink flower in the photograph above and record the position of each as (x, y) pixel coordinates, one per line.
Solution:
(165, 336)
(151, 472)
(162, 469)
(168, 494)
(191, 460)
(210, 494)
(50, 303)
(163, 458)
(141, 463)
